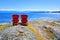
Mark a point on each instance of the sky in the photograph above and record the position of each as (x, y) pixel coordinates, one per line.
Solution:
(30, 5)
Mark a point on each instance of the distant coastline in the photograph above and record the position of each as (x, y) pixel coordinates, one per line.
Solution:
(30, 11)
(45, 11)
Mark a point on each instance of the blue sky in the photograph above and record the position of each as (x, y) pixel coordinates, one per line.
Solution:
(29, 5)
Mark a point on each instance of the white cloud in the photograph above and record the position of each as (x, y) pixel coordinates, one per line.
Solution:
(7, 9)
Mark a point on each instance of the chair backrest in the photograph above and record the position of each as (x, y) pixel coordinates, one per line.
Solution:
(15, 19)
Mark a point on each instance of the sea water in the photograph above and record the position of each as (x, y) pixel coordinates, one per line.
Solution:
(7, 16)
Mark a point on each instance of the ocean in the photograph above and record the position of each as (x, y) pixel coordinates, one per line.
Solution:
(6, 17)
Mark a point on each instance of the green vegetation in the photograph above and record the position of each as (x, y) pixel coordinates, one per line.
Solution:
(4, 26)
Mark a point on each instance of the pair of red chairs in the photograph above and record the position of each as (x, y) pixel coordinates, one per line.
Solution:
(15, 19)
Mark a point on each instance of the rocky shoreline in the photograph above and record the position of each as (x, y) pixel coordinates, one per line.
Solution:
(47, 30)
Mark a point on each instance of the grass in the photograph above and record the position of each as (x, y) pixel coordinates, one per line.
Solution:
(39, 36)
(49, 33)
(4, 26)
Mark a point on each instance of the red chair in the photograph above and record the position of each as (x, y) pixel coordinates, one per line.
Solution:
(24, 19)
(15, 19)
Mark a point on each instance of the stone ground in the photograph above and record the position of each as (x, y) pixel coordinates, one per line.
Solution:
(36, 30)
